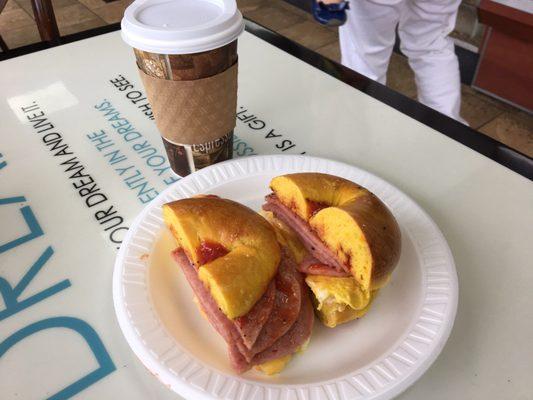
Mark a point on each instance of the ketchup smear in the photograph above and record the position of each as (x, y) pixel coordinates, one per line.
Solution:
(209, 251)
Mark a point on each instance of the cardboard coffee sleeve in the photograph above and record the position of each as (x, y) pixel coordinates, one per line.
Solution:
(194, 100)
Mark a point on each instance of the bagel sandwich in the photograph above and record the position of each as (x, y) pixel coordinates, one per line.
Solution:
(245, 283)
(343, 238)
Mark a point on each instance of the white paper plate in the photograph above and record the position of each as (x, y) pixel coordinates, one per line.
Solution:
(376, 357)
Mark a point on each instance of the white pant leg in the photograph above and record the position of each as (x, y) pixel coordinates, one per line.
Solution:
(367, 37)
(423, 29)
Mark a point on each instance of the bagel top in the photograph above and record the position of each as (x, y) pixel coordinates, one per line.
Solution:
(233, 248)
(350, 220)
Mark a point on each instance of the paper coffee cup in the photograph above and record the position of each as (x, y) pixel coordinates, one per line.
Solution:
(186, 52)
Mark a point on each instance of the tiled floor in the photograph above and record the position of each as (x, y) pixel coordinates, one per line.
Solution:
(485, 114)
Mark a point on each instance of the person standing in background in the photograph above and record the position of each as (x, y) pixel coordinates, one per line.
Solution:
(368, 35)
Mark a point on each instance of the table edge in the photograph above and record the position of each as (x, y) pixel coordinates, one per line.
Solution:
(490, 148)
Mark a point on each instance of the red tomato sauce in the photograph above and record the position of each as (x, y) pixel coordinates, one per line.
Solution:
(209, 251)
(315, 206)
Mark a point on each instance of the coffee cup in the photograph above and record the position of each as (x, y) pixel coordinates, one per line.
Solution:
(186, 53)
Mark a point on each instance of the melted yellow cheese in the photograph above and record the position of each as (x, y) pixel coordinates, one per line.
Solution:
(274, 366)
(338, 299)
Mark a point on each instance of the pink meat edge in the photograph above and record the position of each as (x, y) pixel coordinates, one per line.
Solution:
(299, 333)
(286, 307)
(222, 324)
(311, 266)
(310, 240)
(286, 344)
(250, 325)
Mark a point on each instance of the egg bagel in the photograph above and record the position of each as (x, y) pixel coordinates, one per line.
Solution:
(234, 249)
(351, 238)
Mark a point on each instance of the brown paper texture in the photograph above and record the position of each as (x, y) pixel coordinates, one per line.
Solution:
(194, 112)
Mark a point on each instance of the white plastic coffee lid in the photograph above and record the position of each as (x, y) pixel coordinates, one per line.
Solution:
(181, 26)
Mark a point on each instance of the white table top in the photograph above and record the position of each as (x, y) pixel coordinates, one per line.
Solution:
(484, 210)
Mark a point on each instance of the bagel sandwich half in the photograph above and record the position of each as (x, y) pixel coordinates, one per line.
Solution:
(245, 284)
(344, 239)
